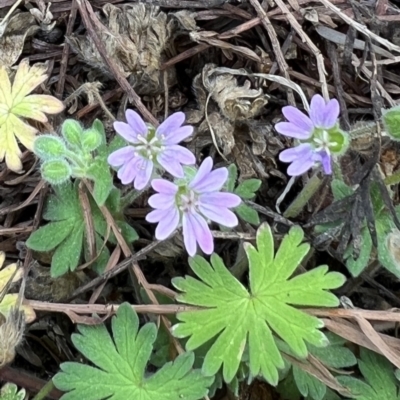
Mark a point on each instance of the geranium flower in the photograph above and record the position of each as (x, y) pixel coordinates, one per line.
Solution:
(191, 205)
(319, 135)
(151, 148)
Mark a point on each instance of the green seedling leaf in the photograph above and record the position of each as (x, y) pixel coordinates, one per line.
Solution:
(56, 172)
(235, 316)
(248, 188)
(51, 235)
(9, 391)
(72, 132)
(99, 172)
(91, 139)
(391, 121)
(66, 235)
(380, 381)
(119, 370)
(49, 147)
(248, 214)
(16, 102)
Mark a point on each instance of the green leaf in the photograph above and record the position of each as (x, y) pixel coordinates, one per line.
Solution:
(91, 139)
(391, 121)
(356, 266)
(66, 257)
(232, 176)
(248, 188)
(335, 355)
(56, 172)
(99, 172)
(9, 391)
(308, 385)
(72, 132)
(380, 382)
(340, 190)
(99, 127)
(50, 236)
(237, 316)
(48, 147)
(119, 370)
(248, 214)
(64, 204)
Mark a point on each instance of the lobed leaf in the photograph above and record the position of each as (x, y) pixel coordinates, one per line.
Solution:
(235, 316)
(15, 103)
(119, 370)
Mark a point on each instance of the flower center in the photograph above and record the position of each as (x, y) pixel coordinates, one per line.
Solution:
(187, 201)
(150, 145)
(321, 141)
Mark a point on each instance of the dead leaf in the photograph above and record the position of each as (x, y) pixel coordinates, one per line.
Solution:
(15, 33)
(135, 37)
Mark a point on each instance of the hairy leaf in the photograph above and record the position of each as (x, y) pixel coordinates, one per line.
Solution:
(238, 316)
(119, 370)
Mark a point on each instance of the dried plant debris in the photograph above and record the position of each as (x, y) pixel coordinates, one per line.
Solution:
(13, 37)
(237, 103)
(136, 37)
(226, 114)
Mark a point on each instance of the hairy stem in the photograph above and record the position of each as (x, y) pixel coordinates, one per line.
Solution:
(304, 197)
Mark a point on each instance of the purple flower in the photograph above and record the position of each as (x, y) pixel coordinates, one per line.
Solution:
(192, 205)
(318, 134)
(149, 147)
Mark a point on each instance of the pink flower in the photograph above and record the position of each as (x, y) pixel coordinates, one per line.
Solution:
(151, 148)
(192, 205)
(318, 133)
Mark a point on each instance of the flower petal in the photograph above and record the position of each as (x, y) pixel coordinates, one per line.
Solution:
(331, 113)
(291, 130)
(161, 201)
(125, 130)
(144, 170)
(220, 199)
(326, 162)
(195, 229)
(177, 135)
(218, 214)
(202, 172)
(172, 123)
(128, 172)
(121, 156)
(156, 215)
(212, 182)
(182, 154)
(300, 166)
(164, 186)
(170, 164)
(136, 122)
(317, 110)
(203, 234)
(298, 118)
(189, 236)
(300, 151)
(167, 224)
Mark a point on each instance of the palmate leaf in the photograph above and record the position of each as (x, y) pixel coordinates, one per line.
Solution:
(16, 102)
(120, 365)
(239, 317)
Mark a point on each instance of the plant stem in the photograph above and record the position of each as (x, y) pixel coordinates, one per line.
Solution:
(304, 196)
(45, 390)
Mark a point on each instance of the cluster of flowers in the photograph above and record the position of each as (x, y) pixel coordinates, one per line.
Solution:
(194, 197)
